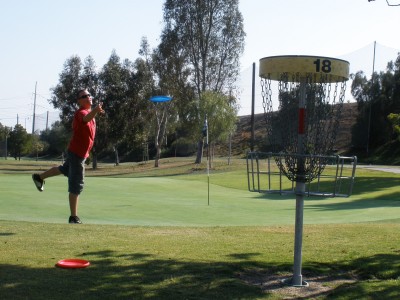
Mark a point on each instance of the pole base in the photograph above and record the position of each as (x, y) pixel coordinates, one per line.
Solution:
(289, 281)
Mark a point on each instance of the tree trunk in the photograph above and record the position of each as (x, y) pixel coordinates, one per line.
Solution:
(116, 156)
(230, 149)
(94, 164)
(158, 154)
(199, 151)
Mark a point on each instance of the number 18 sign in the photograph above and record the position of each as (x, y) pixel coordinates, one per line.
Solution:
(302, 65)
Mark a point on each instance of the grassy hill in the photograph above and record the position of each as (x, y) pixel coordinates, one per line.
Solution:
(241, 140)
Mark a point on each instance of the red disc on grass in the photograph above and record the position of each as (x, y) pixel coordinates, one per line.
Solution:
(73, 263)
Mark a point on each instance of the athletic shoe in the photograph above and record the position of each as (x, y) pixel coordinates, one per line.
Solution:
(39, 182)
(74, 220)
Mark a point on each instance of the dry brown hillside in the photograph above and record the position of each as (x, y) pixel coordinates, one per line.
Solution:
(241, 140)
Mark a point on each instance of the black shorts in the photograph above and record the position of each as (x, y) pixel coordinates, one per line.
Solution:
(74, 169)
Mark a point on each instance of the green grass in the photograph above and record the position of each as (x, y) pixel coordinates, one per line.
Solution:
(191, 263)
(150, 234)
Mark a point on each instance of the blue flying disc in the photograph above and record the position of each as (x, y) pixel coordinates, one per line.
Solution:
(160, 98)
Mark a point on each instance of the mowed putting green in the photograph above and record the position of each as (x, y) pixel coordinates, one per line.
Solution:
(150, 234)
(176, 201)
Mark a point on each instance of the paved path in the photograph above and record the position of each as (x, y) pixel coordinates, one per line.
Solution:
(390, 169)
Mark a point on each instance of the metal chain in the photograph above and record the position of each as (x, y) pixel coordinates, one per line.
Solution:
(338, 111)
(323, 110)
(266, 93)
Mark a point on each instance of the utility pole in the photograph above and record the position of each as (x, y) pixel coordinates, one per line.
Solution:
(47, 120)
(370, 100)
(34, 111)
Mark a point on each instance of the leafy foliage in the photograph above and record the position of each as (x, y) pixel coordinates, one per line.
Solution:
(220, 114)
(199, 51)
(208, 38)
(377, 98)
(395, 120)
(18, 142)
(211, 37)
(57, 138)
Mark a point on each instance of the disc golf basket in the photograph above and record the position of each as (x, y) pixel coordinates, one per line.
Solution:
(301, 135)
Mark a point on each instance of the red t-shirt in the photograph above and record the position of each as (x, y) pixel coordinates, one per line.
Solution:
(83, 134)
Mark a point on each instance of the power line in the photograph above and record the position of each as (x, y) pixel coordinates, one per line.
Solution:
(12, 98)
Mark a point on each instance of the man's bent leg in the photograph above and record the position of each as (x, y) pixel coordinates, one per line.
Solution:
(54, 171)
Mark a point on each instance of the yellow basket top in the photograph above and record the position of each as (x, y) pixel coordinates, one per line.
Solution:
(301, 66)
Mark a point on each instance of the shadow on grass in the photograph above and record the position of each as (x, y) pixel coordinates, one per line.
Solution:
(363, 188)
(143, 276)
(377, 277)
(128, 276)
(356, 204)
(366, 185)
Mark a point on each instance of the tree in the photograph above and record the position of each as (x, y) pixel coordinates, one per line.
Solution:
(221, 116)
(88, 77)
(141, 111)
(172, 77)
(4, 135)
(376, 99)
(113, 94)
(18, 141)
(75, 76)
(64, 94)
(209, 35)
(161, 111)
(394, 119)
(123, 87)
(360, 90)
(37, 145)
(57, 137)
(153, 78)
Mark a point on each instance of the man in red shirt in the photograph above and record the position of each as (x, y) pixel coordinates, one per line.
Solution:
(84, 131)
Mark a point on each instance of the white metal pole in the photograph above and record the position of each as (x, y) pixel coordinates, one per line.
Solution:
(297, 279)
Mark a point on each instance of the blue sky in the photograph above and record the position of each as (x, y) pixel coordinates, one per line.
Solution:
(38, 36)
